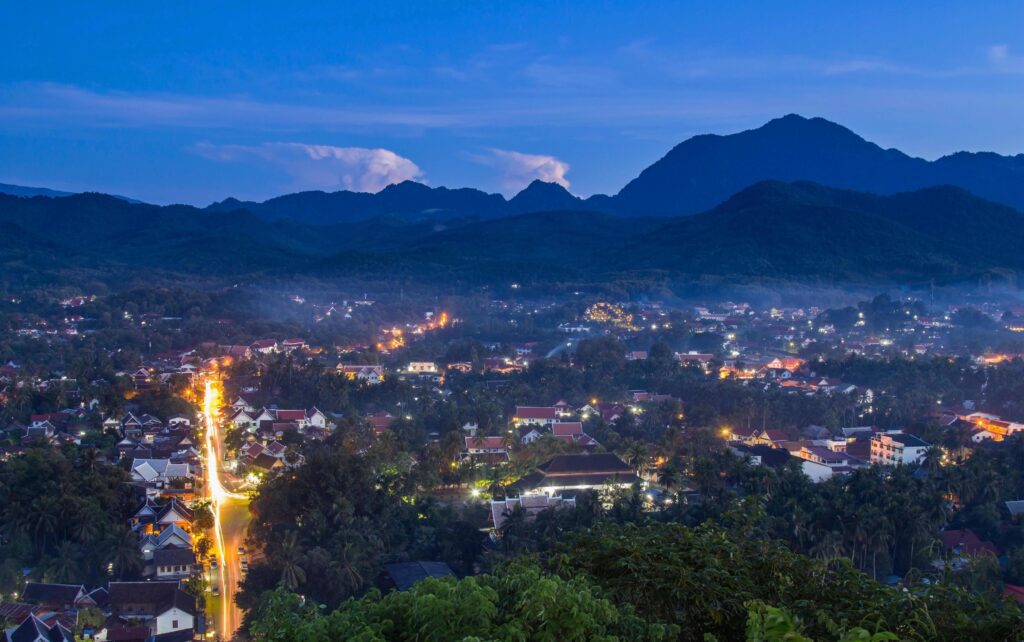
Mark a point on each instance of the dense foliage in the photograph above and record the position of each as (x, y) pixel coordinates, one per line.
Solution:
(518, 603)
(64, 517)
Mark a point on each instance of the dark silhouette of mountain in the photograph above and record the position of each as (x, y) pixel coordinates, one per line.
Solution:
(801, 231)
(408, 199)
(539, 196)
(693, 177)
(20, 190)
(29, 192)
(805, 230)
(704, 170)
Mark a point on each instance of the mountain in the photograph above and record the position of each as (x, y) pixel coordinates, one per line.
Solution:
(692, 177)
(20, 190)
(408, 200)
(29, 192)
(792, 231)
(539, 196)
(704, 170)
(770, 231)
(806, 231)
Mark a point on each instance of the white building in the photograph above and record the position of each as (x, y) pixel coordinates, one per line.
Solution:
(895, 448)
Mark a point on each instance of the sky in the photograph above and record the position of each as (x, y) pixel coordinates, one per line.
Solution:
(192, 102)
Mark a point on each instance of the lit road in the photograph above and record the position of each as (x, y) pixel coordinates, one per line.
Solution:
(230, 519)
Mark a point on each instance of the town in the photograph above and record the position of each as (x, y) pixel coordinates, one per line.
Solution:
(180, 462)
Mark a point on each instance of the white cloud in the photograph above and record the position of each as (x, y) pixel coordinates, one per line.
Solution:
(519, 170)
(1003, 60)
(323, 167)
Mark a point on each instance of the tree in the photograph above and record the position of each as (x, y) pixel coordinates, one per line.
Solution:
(517, 602)
(290, 560)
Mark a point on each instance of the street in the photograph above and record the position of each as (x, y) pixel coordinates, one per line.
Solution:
(230, 517)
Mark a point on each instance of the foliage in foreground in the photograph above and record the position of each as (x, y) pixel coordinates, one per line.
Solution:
(519, 602)
(705, 580)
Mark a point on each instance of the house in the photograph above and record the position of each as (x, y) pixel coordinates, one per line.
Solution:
(576, 472)
(162, 607)
(571, 432)
(895, 448)
(289, 345)
(34, 629)
(380, 422)
(158, 471)
(487, 449)
(820, 463)
(365, 374)
(962, 545)
(531, 504)
(173, 563)
(171, 537)
(264, 346)
(58, 597)
(761, 455)
(535, 415)
(422, 367)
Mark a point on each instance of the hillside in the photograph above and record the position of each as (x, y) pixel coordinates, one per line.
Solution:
(771, 230)
(704, 170)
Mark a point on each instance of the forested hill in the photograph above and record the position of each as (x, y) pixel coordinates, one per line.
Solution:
(790, 231)
(694, 176)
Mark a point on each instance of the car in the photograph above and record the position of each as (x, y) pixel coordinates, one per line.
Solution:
(241, 550)
(213, 562)
(215, 590)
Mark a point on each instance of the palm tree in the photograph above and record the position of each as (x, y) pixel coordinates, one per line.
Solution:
(347, 567)
(42, 520)
(125, 556)
(513, 528)
(65, 566)
(635, 454)
(290, 558)
(86, 530)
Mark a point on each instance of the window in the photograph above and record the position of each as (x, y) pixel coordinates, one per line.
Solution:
(174, 624)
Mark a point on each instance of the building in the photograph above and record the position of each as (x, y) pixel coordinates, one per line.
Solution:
(895, 448)
(162, 607)
(576, 472)
(364, 374)
(535, 415)
(491, 450)
(532, 504)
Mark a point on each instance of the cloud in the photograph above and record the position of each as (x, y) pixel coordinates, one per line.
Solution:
(1003, 61)
(519, 170)
(46, 103)
(323, 167)
(865, 65)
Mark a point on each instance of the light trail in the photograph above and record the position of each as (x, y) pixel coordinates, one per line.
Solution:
(211, 404)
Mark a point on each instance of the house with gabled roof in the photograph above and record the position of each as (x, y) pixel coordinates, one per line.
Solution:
(535, 415)
(54, 596)
(162, 607)
(564, 473)
(34, 629)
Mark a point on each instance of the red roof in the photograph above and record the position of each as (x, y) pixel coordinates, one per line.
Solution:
(536, 412)
(967, 541)
(481, 443)
(291, 415)
(380, 421)
(567, 428)
(1014, 591)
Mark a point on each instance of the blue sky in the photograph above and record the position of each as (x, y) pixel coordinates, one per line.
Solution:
(192, 102)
